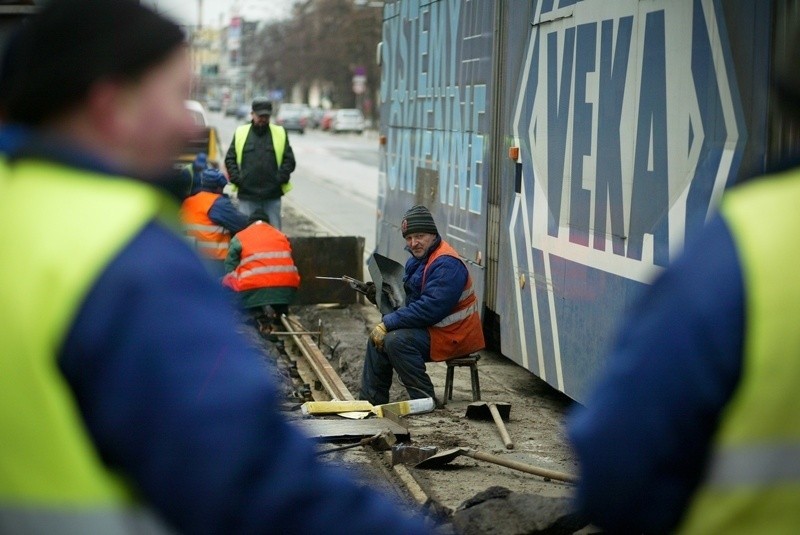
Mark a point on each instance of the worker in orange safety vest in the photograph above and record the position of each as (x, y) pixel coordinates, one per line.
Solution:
(260, 268)
(210, 219)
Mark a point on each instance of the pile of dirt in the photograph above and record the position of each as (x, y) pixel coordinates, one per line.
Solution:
(516, 513)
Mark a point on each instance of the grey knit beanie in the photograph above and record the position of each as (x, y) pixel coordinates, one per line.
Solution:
(418, 219)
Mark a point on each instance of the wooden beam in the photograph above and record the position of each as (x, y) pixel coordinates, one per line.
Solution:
(330, 380)
(326, 429)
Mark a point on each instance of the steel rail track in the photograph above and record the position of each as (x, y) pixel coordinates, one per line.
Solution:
(316, 368)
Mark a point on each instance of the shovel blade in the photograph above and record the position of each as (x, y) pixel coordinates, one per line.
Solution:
(440, 459)
(479, 410)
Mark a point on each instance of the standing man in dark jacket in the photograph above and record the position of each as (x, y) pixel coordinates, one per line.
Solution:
(259, 162)
(439, 321)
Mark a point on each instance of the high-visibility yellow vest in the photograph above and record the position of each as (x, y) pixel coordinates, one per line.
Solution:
(752, 484)
(61, 229)
(278, 134)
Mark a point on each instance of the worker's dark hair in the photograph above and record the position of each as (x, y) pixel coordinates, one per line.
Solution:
(258, 215)
(56, 56)
(212, 180)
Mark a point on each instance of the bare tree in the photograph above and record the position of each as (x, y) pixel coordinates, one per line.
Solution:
(323, 40)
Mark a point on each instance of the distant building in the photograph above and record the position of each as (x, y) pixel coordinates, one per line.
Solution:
(238, 58)
(206, 47)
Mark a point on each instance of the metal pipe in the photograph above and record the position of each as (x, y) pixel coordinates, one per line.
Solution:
(330, 380)
(292, 333)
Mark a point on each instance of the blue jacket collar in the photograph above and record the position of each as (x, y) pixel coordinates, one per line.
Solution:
(19, 142)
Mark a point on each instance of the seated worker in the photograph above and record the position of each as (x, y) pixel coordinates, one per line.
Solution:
(210, 218)
(191, 173)
(439, 321)
(260, 268)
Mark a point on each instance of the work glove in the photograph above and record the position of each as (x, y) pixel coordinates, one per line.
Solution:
(377, 335)
(370, 293)
(231, 190)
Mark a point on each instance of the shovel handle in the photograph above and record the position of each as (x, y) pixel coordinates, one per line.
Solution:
(522, 467)
(501, 426)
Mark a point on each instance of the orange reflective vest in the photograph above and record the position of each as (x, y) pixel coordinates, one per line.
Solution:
(460, 333)
(211, 240)
(266, 260)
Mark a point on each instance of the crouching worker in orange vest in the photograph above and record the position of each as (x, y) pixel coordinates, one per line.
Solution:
(210, 219)
(260, 268)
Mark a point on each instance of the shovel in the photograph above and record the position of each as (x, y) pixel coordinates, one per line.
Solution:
(481, 410)
(441, 459)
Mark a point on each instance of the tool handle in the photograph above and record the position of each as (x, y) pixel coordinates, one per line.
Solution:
(522, 467)
(362, 442)
(501, 426)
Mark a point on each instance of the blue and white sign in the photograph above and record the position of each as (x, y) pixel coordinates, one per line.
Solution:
(630, 127)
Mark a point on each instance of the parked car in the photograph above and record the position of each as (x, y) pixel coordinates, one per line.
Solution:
(243, 111)
(198, 113)
(213, 104)
(205, 139)
(348, 120)
(327, 119)
(232, 110)
(315, 118)
(293, 117)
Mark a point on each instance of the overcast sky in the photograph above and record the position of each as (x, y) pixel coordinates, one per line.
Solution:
(217, 13)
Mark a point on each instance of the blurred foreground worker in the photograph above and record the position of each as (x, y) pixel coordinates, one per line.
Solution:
(439, 321)
(128, 402)
(193, 172)
(694, 425)
(260, 162)
(210, 219)
(260, 268)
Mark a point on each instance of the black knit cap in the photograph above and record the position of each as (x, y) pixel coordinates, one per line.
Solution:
(262, 106)
(56, 56)
(418, 219)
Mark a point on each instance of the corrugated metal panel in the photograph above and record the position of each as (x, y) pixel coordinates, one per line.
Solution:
(498, 145)
(492, 251)
(784, 130)
(11, 13)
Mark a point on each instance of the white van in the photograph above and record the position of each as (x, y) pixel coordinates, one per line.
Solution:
(198, 112)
